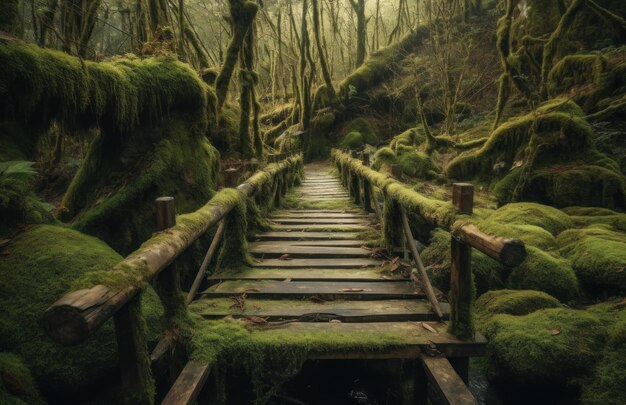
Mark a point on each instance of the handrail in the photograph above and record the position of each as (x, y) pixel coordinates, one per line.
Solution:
(78, 314)
(510, 252)
(452, 216)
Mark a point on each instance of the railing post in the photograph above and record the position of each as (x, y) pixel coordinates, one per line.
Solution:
(231, 175)
(367, 193)
(461, 291)
(134, 360)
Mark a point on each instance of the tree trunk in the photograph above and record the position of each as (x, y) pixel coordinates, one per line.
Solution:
(361, 30)
(320, 50)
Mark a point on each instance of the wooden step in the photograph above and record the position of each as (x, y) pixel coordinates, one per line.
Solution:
(328, 290)
(309, 251)
(340, 263)
(335, 243)
(310, 274)
(324, 215)
(319, 311)
(313, 221)
(321, 228)
(298, 235)
(321, 211)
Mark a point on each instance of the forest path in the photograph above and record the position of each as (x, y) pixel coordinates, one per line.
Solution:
(314, 271)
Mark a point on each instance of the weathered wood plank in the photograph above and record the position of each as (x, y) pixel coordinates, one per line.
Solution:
(303, 214)
(329, 290)
(309, 251)
(335, 243)
(188, 384)
(286, 235)
(309, 274)
(321, 227)
(308, 311)
(319, 263)
(407, 337)
(447, 382)
(313, 221)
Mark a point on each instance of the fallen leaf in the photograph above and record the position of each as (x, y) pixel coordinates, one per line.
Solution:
(287, 280)
(251, 290)
(4, 242)
(334, 321)
(429, 328)
(555, 331)
(317, 300)
(351, 290)
(285, 257)
(255, 320)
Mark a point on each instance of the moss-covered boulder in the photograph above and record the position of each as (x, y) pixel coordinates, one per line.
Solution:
(512, 302)
(16, 382)
(545, 271)
(551, 219)
(598, 256)
(549, 346)
(316, 143)
(607, 384)
(37, 268)
(544, 156)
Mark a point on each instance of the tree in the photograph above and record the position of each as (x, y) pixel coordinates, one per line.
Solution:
(361, 30)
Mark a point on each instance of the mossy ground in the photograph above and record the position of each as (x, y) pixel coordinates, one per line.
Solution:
(39, 266)
(16, 382)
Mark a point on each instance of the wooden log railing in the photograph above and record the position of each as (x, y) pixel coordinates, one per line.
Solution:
(453, 216)
(79, 314)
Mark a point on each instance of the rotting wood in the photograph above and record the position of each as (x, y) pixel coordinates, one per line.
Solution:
(188, 385)
(510, 252)
(446, 382)
(75, 316)
(425, 281)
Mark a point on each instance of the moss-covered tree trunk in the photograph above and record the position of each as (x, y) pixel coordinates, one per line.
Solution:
(9, 16)
(320, 51)
(78, 20)
(242, 14)
(361, 30)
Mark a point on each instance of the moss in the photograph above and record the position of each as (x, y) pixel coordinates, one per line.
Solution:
(368, 128)
(316, 143)
(383, 156)
(546, 272)
(512, 302)
(545, 151)
(607, 383)
(353, 140)
(234, 250)
(598, 256)
(414, 163)
(548, 346)
(16, 382)
(551, 219)
(40, 266)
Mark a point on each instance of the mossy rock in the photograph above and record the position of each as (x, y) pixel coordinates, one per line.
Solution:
(317, 143)
(352, 140)
(368, 128)
(598, 256)
(607, 384)
(551, 219)
(40, 266)
(512, 302)
(16, 382)
(546, 272)
(383, 156)
(415, 163)
(548, 346)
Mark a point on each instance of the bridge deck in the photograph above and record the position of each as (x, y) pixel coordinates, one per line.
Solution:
(315, 277)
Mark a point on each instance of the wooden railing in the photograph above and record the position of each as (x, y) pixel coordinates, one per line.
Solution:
(453, 216)
(79, 314)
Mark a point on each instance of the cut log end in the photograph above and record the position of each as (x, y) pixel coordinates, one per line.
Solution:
(65, 325)
(513, 252)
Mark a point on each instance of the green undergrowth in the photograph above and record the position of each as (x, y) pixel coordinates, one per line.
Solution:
(413, 163)
(39, 267)
(16, 382)
(270, 356)
(512, 302)
(549, 346)
(546, 156)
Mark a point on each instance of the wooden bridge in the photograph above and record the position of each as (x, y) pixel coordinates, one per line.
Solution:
(311, 273)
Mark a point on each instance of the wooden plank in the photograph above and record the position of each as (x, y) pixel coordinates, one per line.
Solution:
(359, 221)
(304, 214)
(309, 274)
(286, 235)
(309, 251)
(188, 385)
(308, 311)
(319, 263)
(447, 382)
(329, 290)
(335, 243)
(407, 337)
(329, 211)
(321, 227)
